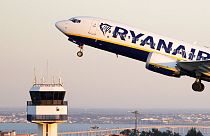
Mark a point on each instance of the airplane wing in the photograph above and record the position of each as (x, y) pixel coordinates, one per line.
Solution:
(202, 66)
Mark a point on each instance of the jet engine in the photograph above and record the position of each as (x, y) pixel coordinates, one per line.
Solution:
(162, 64)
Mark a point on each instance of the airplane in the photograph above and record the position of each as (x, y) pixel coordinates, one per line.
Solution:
(163, 55)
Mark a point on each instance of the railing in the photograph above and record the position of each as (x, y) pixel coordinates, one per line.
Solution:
(48, 85)
(47, 102)
(181, 129)
(47, 117)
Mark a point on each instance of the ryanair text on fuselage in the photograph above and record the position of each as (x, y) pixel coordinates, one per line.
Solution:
(161, 43)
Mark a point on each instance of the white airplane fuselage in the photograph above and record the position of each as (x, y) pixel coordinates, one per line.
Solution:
(161, 54)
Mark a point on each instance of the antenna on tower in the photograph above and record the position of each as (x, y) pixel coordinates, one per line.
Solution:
(43, 80)
(60, 82)
(53, 80)
(47, 70)
(34, 75)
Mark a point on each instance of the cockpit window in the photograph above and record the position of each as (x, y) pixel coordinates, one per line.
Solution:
(74, 20)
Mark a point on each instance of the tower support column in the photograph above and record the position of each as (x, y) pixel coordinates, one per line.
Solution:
(47, 129)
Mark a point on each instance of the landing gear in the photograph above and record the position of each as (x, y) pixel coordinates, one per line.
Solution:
(198, 86)
(80, 53)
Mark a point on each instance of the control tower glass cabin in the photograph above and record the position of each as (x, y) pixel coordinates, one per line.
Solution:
(47, 104)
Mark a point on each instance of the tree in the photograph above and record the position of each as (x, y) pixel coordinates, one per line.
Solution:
(126, 132)
(129, 132)
(156, 132)
(144, 133)
(176, 134)
(153, 132)
(194, 132)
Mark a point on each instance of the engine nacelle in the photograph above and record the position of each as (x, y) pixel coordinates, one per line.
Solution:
(162, 64)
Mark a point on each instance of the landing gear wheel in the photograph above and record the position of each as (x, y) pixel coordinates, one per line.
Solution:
(198, 86)
(79, 53)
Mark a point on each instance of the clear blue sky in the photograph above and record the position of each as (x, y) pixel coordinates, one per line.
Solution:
(28, 37)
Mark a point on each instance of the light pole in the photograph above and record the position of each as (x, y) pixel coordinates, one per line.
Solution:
(136, 121)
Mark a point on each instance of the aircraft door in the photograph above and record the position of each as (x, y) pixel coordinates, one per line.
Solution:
(93, 27)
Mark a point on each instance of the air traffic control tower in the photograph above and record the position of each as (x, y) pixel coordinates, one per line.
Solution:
(47, 107)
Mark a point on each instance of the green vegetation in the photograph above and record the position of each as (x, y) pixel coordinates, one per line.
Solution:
(194, 132)
(156, 132)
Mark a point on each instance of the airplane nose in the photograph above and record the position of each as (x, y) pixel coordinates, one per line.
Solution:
(62, 26)
(59, 25)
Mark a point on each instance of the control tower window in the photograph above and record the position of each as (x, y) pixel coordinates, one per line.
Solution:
(74, 20)
(56, 95)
